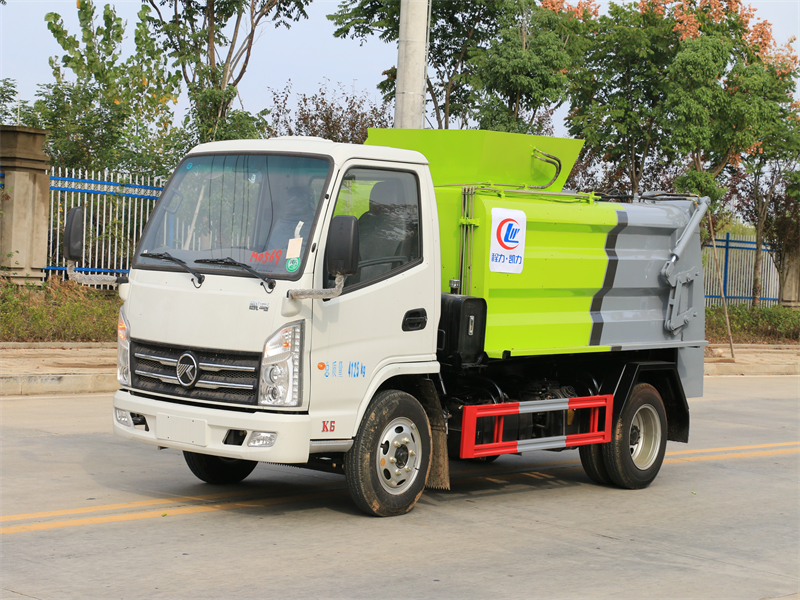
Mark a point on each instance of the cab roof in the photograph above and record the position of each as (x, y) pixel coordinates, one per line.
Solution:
(313, 145)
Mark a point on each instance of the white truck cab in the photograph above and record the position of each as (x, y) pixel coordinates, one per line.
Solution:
(223, 362)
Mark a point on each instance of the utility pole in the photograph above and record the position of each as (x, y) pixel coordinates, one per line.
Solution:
(412, 59)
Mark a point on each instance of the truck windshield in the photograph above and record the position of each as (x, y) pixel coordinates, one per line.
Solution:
(253, 208)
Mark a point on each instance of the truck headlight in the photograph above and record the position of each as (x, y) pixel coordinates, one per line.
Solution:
(281, 367)
(123, 350)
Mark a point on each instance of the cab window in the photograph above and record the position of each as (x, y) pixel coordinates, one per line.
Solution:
(386, 204)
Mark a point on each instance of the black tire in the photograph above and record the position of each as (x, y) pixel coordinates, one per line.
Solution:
(638, 440)
(394, 427)
(592, 461)
(218, 470)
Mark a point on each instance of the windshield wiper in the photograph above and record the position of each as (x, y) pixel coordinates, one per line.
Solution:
(167, 256)
(271, 283)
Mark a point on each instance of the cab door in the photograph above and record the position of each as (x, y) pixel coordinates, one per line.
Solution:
(385, 320)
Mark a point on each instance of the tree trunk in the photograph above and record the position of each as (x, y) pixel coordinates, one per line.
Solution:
(789, 294)
(757, 265)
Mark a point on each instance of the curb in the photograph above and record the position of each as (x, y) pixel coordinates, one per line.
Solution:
(55, 345)
(716, 369)
(35, 385)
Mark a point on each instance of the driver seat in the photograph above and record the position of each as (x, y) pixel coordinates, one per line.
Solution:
(384, 232)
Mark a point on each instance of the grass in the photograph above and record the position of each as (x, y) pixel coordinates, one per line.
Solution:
(67, 312)
(764, 325)
(58, 312)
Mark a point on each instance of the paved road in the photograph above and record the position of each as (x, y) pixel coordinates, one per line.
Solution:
(87, 515)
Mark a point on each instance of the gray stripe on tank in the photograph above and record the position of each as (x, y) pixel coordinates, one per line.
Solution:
(608, 281)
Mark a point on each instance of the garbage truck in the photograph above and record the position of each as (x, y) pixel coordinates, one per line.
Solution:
(378, 310)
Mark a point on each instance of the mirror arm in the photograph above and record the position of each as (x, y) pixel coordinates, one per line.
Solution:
(89, 279)
(323, 294)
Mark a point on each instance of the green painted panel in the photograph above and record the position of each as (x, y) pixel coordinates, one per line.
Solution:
(459, 156)
(546, 308)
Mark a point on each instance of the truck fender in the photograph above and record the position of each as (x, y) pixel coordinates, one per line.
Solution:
(414, 381)
(662, 375)
(384, 374)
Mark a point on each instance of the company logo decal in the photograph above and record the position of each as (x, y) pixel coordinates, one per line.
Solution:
(508, 234)
(507, 244)
(187, 370)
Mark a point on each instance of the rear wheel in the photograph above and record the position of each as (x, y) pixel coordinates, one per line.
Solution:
(388, 465)
(638, 440)
(592, 461)
(218, 470)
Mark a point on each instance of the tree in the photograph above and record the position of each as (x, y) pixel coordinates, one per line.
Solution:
(14, 110)
(763, 185)
(618, 94)
(457, 28)
(731, 102)
(523, 71)
(783, 234)
(116, 114)
(332, 115)
(211, 43)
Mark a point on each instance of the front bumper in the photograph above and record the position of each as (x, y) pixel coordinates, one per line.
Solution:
(204, 430)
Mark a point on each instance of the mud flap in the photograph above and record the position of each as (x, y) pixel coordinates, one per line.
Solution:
(439, 473)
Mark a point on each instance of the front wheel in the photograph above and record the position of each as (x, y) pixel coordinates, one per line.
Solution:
(218, 470)
(638, 440)
(388, 465)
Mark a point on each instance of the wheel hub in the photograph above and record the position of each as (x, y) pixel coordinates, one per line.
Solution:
(398, 456)
(645, 437)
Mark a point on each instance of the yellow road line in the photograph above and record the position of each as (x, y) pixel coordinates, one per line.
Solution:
(123, 505)
(727, 456)
(283, 500)
(733, 448)
(187, 510)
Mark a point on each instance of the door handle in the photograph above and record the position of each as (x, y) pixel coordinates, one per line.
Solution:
(415, 320)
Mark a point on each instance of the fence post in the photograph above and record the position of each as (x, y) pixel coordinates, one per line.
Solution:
(725, 276)
(790, 278)
(24, 213)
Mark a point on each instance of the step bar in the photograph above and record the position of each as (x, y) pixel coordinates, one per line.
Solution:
(595, 435)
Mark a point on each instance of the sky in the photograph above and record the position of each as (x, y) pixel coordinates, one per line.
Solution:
(307, 54)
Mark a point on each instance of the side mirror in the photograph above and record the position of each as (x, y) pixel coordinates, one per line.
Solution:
(73, 234)
(341, 252)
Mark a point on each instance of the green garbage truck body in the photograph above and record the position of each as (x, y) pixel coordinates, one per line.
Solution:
(379, 310)
(586, 276)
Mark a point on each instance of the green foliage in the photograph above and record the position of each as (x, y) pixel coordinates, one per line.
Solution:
(523, 70)
(763, 325)
(61, 312)
(457, 29)
(720, 103)
(618, 94)
(84, 131)
(125, 101)
(210, 43)
(14, 110)
(141, 85)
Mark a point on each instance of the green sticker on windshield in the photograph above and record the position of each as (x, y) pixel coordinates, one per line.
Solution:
(292, 265)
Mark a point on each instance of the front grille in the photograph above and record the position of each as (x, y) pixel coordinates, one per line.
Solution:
(224, 376)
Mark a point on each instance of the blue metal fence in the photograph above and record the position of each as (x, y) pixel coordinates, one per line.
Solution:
(736, 256)
(116, 207)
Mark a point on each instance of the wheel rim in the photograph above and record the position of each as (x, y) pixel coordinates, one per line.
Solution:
(398, 456)
(645, 437)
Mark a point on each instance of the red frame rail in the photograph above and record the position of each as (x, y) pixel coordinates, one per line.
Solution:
(595, 435)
